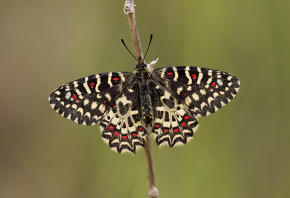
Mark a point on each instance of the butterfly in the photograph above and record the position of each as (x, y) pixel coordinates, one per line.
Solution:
(168, 100)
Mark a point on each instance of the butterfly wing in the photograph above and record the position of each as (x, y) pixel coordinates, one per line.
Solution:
(202, 90)
(172, 124)
(181, 94)
(110, 98)
(87, 100)
(122, 128)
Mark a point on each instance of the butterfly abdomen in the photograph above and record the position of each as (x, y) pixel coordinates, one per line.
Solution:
(143, 79)
(146, 108)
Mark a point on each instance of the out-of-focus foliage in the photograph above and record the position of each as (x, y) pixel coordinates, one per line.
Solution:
(240, 151)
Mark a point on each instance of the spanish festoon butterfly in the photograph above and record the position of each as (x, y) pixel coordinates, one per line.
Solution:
(169, 100)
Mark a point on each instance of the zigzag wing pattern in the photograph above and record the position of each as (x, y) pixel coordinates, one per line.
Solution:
(173, 124)
(122, 128)
(202, 90)
(87, 100)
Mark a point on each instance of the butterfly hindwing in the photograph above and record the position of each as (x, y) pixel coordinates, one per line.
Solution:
(202, 90)
(122, 128)
(88, 99)
(172, 124)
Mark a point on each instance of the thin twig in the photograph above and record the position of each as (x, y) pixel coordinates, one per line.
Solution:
(153, 192)
(129, 10)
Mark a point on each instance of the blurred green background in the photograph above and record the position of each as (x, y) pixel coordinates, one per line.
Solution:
(242, 151)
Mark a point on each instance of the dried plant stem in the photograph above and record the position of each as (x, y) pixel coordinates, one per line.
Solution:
(153, 192)
(129, 10)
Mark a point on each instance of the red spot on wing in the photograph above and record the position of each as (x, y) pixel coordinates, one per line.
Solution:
(133, 134)
(169, 73)
(113, 105)
(92, 85)
(104, 102)
(157, 125)
(193, 76)
(78, 100)
(175, 130)
(111, 127)
(116, 133)
(124, 137)
(183, 124)
(165, 130)
(184, 95)
(186, 117)
(116, 79)
(140, 128)
(213, 84)
(74, 96)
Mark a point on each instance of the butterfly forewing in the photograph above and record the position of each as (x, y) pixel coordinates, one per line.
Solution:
(109, 98)
(203, 91)
(88, 99)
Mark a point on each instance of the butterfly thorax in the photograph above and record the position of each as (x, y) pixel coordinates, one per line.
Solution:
(143, 77)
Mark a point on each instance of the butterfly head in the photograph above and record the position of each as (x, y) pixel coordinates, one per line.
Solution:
(141, 64)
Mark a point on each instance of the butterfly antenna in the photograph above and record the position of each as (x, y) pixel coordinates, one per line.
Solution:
(128, 49)
(151, 36)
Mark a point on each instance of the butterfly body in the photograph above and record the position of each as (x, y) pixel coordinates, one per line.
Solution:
(143, 78)
(169, 100)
